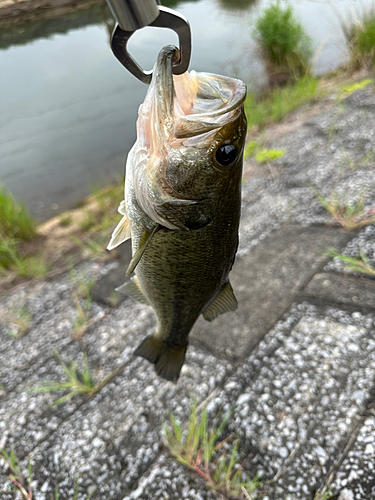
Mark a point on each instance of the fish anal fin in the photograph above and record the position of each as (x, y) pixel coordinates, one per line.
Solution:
(134, 290)
(121, 233)
(168, 361)
(143, 242)
(224, 302)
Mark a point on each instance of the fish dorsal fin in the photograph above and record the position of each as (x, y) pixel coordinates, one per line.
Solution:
(121, 233)
(224, 302)
(134, 290)
(145, 239)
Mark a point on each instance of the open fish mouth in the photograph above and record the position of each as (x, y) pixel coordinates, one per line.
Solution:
(182, 106)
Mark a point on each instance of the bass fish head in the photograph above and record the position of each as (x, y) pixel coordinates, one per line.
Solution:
(191, 132)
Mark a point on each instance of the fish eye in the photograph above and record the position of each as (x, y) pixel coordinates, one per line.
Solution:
(225, 155)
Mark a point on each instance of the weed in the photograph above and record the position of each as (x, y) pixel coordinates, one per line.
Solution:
(89, 222)
(78, 381)
(27, 267)
(66, 220)
(323, 494)
(360, 264)
(82, 284)
(360, 37)
(349, 89)
(15, 221)
(20, 319)
(23, 484)
(350, 216)
(90, 247)
(250, 149)
(269, 155)
(200, 450)
(19, 481)
(283, 43)
(278, 103)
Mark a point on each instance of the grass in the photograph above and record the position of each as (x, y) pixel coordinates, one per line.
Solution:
(269, 155)
(360, 264)
(200, 449)
(283, 44)
(23, 483)
(360, 38)
(66, 220)
(349, 89)
(15, 221)
(279, 102)
(350, 215)
(20, 320)
(79, 381)
(17, 227)
(324, 494)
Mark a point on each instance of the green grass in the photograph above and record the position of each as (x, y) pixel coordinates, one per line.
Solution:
(15, 221)
(269, 155)
(281, 101)
(66, 220)
(360, 37)
(348, 89)
(16, 227)
(79, 381)
(324, 494)
(24, 484)
(360, 264)
(20, 320)
(350, 215)
(283, 44)
(200, 449)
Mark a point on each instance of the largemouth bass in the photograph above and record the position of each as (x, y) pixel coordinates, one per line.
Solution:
(182, 204)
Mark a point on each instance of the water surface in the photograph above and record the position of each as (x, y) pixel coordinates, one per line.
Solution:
(68, 108)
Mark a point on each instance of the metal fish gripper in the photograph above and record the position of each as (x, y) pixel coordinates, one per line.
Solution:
(132, 15)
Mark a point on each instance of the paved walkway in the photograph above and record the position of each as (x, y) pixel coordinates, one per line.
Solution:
(296, 360)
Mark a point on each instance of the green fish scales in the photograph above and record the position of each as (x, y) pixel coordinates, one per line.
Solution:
(182, 204)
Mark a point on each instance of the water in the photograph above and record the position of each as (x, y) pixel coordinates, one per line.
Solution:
(68, 108)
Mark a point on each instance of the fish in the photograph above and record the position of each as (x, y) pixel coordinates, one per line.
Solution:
(182, 204)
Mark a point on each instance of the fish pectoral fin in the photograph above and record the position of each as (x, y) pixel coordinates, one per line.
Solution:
(121, 233)
(224, 302)
(168, 361)
(134, 290)
(122, 208)
(143, 242)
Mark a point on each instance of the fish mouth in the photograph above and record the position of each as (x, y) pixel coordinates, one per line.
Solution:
(192, 103)
(207, 102)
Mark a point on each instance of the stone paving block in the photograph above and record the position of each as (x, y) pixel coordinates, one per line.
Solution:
(167, 480)
(300, 394)
(112, 439)
(265, 283)
(364, 242)
(357, 472)
(341, 289)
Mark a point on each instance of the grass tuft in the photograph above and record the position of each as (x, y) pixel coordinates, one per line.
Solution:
(79, 381)
(283, 44)
(23, 483)
(15, 221)
(348, 89)
(269, 155)
(277, 104)
(360, 37)
(350, 216)
(360, 264)
(20, 321)
(200, 449)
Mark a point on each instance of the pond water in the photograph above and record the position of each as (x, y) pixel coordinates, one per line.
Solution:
(68, 108)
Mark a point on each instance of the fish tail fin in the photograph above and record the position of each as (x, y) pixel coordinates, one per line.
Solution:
(168, 361)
